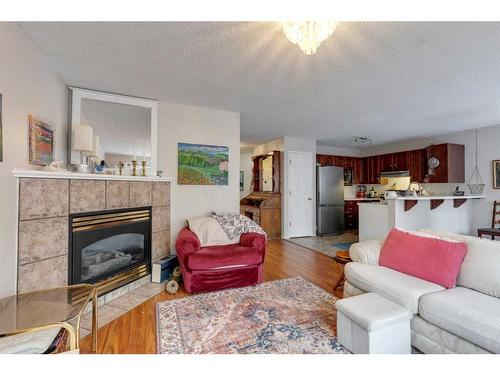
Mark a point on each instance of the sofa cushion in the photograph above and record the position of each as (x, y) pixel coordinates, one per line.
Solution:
(217, 257)
(430, 259)
(481, 266)
(466, 313)
(403, 289)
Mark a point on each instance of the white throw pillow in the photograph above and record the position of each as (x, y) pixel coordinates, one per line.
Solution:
(209, 232)
(480, 269)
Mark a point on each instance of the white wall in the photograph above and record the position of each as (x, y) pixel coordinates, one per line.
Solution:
(187, 124)
(246, 165)
(342, 151)
(28, 87)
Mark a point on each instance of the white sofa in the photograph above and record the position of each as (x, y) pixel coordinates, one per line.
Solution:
(464, 319)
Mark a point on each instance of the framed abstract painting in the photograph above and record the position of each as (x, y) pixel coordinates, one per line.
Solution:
(41, 142)
(202, 164)
(496, 174)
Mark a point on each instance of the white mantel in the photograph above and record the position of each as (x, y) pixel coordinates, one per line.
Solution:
(30, 173)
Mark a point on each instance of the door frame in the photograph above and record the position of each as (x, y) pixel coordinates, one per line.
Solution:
(286, 193)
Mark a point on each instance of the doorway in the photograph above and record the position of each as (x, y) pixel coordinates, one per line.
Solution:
(301, 202)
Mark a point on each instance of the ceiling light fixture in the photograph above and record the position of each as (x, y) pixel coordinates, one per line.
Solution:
(363, 140)
(308, 35)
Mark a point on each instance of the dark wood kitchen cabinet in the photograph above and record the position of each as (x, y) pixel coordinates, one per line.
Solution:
(400, 161)
(359, 171)
(351, 215)
(416, 160)
(394, 162)
(451, 167)
(324, 160)
(373, 165)
(367, 170)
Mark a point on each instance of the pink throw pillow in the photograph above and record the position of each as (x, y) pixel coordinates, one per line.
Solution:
(430, 259)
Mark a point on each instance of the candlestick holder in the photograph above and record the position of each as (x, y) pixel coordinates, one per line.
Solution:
(120, 167)
(143, 163)
(134, 167)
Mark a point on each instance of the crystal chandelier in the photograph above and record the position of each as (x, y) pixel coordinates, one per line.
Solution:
(308, 35)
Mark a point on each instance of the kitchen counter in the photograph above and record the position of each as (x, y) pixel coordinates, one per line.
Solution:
(446, 213)
(436, 197)
(361, 199)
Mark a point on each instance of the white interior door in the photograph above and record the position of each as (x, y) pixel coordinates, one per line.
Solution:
(300, 195)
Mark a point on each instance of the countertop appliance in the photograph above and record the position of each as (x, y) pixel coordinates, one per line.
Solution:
(330, 200)
(361, 191)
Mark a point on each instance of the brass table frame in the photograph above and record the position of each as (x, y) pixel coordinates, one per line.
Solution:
(73, 334)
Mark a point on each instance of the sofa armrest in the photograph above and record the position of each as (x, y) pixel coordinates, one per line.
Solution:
(253, 240)
(367, 252)
(187, 243)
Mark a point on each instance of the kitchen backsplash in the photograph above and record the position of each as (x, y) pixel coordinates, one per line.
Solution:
(433, 189)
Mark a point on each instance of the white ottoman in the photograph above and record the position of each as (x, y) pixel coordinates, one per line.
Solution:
(370, 323)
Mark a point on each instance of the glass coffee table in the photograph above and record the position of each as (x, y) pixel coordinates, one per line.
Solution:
(48, 309)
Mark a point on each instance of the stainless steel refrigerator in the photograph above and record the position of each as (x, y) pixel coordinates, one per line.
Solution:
(330, 200)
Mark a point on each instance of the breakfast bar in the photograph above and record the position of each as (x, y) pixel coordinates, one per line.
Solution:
(445, 213)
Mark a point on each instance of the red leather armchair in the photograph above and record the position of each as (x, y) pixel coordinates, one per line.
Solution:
(218, 267)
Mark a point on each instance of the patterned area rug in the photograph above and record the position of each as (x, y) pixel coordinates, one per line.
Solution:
(328, 245)
(287, 316)
(343, 245)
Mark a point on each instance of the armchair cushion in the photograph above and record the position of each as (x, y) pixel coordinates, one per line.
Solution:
(216, 257)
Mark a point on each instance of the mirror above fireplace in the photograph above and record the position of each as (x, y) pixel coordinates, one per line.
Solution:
(114, 128)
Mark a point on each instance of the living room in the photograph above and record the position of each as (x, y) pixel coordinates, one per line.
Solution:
(201, 186)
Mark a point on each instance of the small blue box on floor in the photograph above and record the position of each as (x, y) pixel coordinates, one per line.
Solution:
(163, 268)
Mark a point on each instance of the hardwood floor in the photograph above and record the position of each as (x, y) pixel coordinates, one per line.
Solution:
(135, 331)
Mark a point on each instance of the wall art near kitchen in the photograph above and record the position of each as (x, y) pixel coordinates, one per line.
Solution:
(41, 142)
(1, 134)
(496, 174)
(202, 164)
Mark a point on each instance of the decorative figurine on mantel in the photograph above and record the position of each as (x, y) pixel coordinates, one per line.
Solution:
(134, 167)
(120, 167)
(143, 168)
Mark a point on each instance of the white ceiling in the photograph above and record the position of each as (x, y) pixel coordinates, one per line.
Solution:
(123, 129)
(386, 81)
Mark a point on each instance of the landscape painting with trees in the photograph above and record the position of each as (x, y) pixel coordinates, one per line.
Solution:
(202, 164)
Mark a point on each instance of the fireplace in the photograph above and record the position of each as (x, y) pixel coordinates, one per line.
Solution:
(109, 248)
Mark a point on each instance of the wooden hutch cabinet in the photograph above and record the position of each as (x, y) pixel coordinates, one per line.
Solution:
(263, 205)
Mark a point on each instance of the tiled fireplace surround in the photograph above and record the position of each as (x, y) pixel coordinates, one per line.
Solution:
(44, 208)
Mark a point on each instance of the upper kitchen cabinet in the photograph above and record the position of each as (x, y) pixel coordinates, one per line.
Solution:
(416, 160)
(393, 162)
(324, 160)
(451, 167)
(373, 166)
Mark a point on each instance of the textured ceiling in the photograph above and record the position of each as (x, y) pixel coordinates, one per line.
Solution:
(386, 81)
(134, 137)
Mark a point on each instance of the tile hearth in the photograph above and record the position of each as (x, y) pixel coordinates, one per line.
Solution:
(115, 307)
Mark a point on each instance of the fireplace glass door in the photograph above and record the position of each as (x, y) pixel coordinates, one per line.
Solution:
(103, 245)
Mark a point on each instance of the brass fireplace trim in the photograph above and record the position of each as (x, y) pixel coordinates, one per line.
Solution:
(106, 220)
(105, 216)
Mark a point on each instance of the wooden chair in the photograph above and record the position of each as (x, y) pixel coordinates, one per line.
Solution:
(495, 221)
